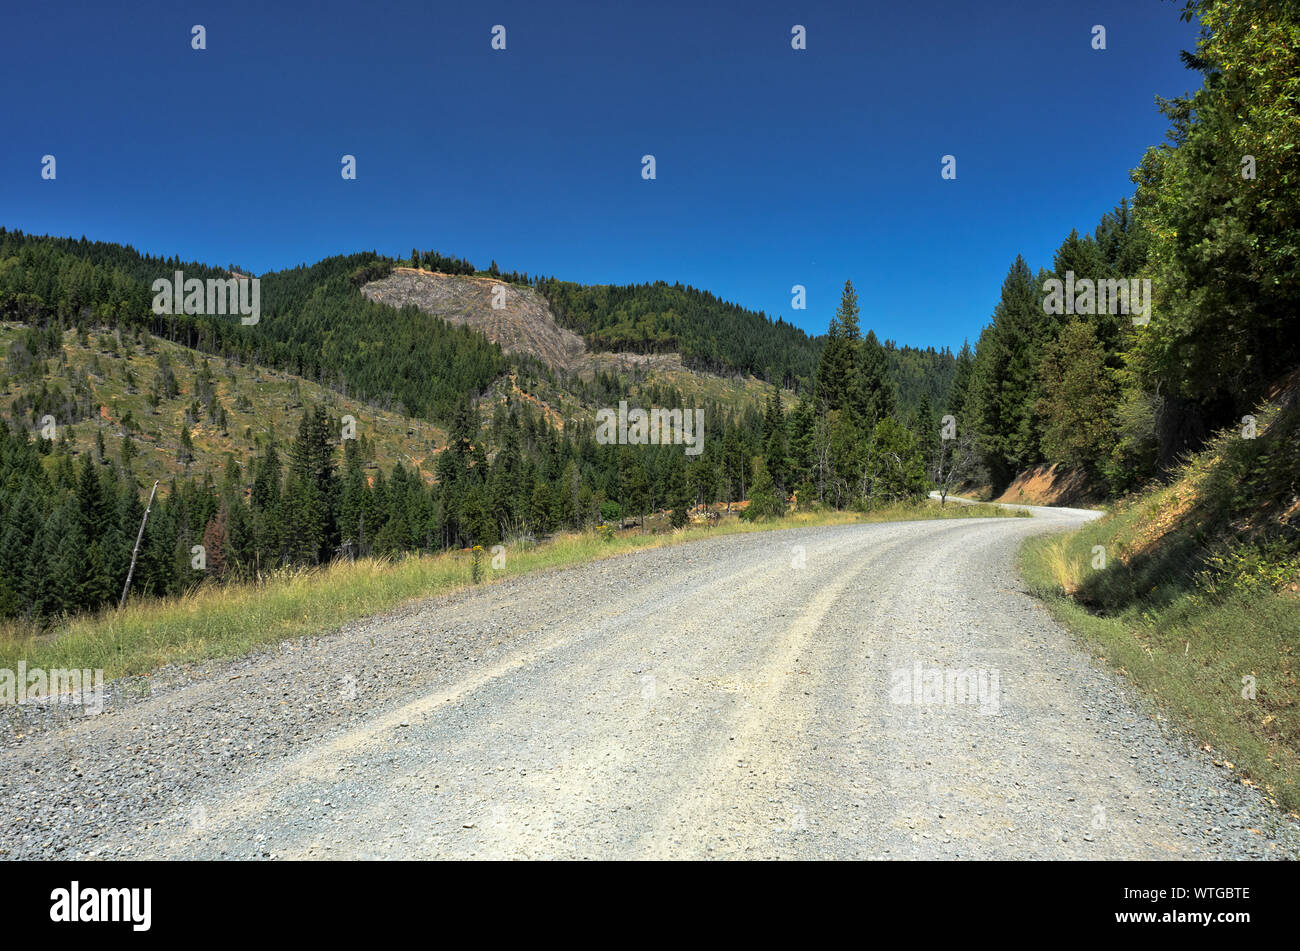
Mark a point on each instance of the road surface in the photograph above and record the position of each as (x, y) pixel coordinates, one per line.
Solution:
(867, 691)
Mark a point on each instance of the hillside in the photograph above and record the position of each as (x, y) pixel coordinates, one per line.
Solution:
(104, 394)
(711, 334)
(525, 326)
(103, 384)
(1047, 485)
(474, 425)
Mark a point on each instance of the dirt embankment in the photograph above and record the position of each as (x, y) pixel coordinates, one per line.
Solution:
(1045, 485)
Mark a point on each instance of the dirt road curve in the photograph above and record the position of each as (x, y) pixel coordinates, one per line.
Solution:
(748, 696)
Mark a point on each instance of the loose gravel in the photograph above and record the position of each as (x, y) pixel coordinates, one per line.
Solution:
(738, 697)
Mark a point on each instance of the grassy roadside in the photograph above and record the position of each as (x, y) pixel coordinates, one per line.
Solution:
(1192, 590)
(1191, 657)
(214, 622)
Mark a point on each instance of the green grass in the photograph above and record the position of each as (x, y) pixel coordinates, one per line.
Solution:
(1198, 591)
(216, 622)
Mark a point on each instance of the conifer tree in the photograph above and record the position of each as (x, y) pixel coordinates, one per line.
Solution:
(835, 370)
(1004, 386)
(765, 501)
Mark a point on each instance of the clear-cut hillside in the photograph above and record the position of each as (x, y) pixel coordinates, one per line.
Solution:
(527, 325)
(524, 325)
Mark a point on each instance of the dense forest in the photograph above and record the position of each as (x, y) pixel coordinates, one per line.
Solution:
(1215, 227)
(68, 516)
(507, 475)
(315, 323)
(710, 334)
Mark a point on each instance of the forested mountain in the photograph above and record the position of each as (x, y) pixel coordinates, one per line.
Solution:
(170, 411)
(71, 499)
(315, 323)
(921, 376)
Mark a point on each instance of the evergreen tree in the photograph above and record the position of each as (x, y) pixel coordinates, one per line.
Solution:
(1004, 383)
(874, 391)
(774, 440)
(1079, 400)
(764, 500)
(926, 428)
(679, 496)
(958, 395)
(836, 368)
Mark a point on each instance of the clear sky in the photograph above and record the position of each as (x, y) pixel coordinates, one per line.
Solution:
(775, 167)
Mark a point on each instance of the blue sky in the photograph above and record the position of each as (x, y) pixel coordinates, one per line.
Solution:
(775, 167)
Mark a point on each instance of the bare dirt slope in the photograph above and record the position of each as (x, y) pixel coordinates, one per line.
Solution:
(523, 325)
(1049, 485)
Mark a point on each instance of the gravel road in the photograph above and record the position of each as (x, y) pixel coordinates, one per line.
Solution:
(748, 696)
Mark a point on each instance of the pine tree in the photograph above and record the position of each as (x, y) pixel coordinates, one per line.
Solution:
(926, 428)
(835, 370)
(185, 454)
(1004, 384)
(1079, 400)
(774, 440)
(764, 499)
(873, 389)
(18, 552)
(539, 510)
(678, 492)
(93, 509)
(62, 566)
(311, 468)
(266, 481)
(957, 396)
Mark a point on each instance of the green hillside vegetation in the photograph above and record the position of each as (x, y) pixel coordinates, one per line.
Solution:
(1219, 240)
(166, 411)
(317, 324)
(710, 333)
(314, 321)
(1192, 585)
(239, 504)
